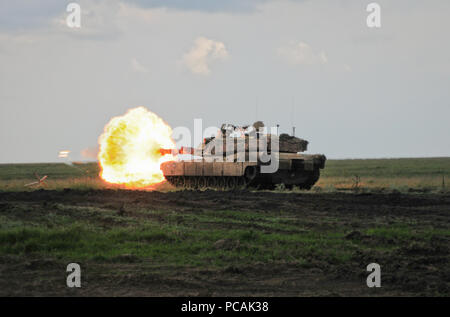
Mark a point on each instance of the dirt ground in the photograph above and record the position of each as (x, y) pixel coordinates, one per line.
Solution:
(412, 263)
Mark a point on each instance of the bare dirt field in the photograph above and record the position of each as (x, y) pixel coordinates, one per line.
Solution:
(213, 243)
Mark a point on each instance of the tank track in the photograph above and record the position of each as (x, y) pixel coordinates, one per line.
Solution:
(235, 182)
(213, 182)
(311, 180)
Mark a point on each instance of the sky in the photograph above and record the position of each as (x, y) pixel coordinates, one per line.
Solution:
(350, 90)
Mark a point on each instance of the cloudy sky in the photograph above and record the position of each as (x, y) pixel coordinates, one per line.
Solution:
(352, 91)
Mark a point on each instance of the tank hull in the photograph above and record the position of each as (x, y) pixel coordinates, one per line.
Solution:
(300, 170)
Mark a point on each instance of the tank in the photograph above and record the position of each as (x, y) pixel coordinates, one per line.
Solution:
(242, 157)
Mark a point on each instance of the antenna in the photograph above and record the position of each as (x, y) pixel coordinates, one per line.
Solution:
(292, 110)
(256, 108)
(292, 115)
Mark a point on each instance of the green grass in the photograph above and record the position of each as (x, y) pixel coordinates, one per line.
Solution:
(53, 170)
(388, 168)
(167, 244)
(14, 177)
(301, 232)
(192, 243)
(208, 238)
(403, 174)
(405, 232)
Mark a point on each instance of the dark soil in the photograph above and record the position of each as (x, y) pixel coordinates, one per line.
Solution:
(417, 266)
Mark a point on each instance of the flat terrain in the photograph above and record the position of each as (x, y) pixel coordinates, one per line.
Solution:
(213, 243)
(403, 174)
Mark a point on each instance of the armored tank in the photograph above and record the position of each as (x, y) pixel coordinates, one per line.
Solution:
(240, 157)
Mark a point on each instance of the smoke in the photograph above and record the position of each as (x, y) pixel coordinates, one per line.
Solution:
(90, 152)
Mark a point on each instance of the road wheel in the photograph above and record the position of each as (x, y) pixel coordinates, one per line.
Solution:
(221, 183)
(194, 182)
(178, 181)
(241, 182)
(250, 173)
(211, 182)
(231, 182)
(289, 186)
(182, 181)
(202, 182)
(187, 182)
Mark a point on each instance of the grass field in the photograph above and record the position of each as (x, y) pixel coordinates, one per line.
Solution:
(424, 174)
(174, 242)
(405, 174)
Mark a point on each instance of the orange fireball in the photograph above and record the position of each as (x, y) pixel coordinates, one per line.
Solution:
(130, 149)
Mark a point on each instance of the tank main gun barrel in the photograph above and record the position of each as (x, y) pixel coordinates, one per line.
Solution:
(166, 151)
(182, 150)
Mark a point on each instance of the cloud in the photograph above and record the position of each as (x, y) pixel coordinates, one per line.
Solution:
(202, 54)
(138, 67)
(347, 68)
(136, 13)
(202, 5)
(301, 53)
(25, 14)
